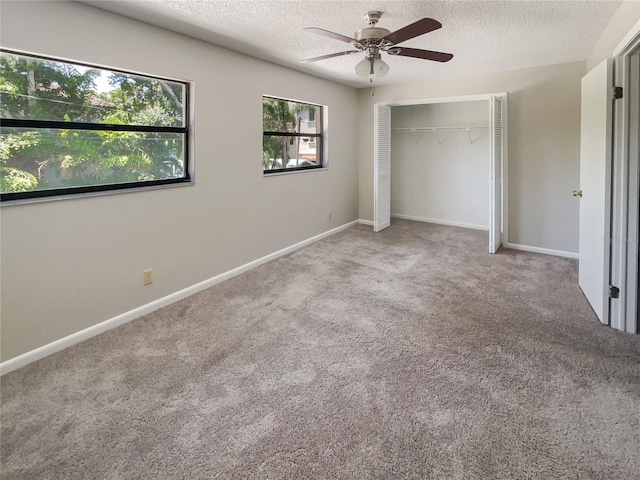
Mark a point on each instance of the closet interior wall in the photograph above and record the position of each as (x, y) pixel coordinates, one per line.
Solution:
(440, 169)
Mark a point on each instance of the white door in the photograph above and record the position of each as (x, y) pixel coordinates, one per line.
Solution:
(595, 185)
(495, 180)
(382, 168)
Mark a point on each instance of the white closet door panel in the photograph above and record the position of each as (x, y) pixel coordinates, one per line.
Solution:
(495, 180)
(595, 184)
(382, 168)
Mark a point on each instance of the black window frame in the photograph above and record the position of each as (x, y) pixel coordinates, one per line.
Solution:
(107, 187)
(319, 138)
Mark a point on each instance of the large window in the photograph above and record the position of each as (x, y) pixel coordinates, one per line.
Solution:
(292, 138)
(69, 128)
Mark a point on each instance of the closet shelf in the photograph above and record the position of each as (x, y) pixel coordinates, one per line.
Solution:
(438, 129)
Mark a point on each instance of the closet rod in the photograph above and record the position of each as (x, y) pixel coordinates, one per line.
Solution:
(437, 129)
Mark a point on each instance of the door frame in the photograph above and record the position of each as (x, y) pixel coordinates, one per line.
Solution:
(505, 143)
(625, 193)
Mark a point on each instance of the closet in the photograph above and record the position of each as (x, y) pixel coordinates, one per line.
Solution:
(439, 167)
(441, 162)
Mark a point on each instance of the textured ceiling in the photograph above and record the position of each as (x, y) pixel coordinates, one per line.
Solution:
(484, 36)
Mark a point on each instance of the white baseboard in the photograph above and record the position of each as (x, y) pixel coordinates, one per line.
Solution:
(440, 222)
(513, 246)
(41, 352)
(365, 222)
(546, 251)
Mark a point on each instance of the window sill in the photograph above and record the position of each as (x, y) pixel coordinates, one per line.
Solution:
(75, 196)
(277, 174)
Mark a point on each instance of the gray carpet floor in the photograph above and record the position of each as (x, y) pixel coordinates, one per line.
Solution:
(411, 353)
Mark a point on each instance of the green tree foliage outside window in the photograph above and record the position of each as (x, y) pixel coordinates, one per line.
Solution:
(52, 136)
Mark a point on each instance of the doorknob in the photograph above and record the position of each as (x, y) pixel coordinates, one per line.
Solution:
(577, 193)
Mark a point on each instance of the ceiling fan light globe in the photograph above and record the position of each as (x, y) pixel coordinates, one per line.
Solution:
(363, 68)
(380, 68)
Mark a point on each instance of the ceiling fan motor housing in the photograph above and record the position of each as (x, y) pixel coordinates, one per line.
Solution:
(371, 34)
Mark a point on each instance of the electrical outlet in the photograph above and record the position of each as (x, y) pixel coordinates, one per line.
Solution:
(329, 216)
(147, 276)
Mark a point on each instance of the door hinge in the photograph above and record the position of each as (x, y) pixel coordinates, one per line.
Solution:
(614, 292)
(617, 93)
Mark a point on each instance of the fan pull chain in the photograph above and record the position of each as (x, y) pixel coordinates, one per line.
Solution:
(371, 82)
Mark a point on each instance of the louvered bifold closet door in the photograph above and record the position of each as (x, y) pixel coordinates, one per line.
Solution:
(382, 168)
(495, 194)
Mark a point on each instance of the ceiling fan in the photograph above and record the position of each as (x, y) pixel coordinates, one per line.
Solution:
(373, 40)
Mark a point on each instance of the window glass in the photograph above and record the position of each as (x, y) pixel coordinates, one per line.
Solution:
(70, 128)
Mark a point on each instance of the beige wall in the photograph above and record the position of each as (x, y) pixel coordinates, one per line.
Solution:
(622, 21)
(68, 265)
(441, 176)
(543, 151)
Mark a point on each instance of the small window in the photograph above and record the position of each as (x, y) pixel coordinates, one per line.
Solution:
(69, 128)
(292, 138)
